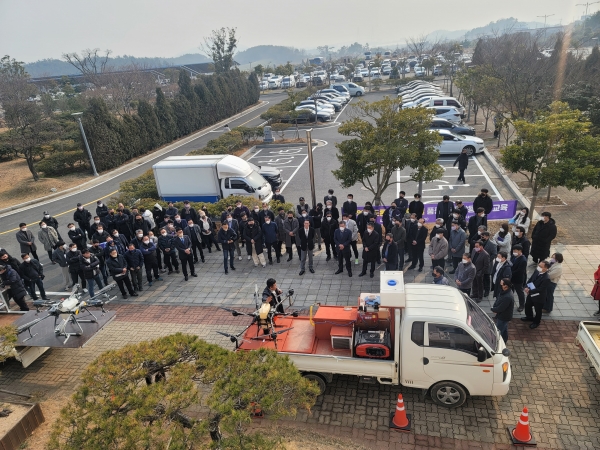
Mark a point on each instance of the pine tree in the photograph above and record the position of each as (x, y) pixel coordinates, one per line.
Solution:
(166, 118)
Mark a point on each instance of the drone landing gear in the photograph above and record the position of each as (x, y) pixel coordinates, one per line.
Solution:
(60, 330)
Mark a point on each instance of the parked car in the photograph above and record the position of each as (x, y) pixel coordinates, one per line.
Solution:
(419, 71)
(448, 101)
(354, 89)
(357, 77)
(386, 70)
(321, 104)
(345, 95)
(446, 112)
(420, 101)
(322, 115)
(264, 85)
(455, 143)
(438, 70)
(443, 124)
(288, 82)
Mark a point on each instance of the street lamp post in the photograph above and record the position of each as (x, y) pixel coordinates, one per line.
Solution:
(87, 146)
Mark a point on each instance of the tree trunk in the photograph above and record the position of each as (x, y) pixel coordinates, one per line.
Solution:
(34, 173)
(548, 196)
(420, 187)
(451, 87)
(214, 429)
(377, 200)
(487, 118)
(532, 207)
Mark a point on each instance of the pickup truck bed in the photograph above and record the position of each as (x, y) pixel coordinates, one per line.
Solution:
(588, 341)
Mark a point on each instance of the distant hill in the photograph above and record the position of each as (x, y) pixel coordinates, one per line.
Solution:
(270, 54)
(498, 27)
(57, 67)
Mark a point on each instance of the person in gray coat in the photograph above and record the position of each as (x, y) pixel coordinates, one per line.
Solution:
(49, 238)
(26, 240)
(456, 244)
(290, 227)
(491, 248)
(465, 274)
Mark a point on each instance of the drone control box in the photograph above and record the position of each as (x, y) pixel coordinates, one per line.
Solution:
(392, 293)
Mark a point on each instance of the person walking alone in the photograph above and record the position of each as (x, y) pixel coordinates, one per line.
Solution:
(463, 163)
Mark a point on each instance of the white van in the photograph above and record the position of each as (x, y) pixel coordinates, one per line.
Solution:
(288, 82)
(447, 101)
(354, 89)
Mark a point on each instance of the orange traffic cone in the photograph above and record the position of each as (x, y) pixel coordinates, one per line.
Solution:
(399, 420)
(521, 435)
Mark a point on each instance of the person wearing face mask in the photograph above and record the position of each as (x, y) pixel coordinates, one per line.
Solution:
(90, 265)
(306, 239)
(48, 237)
(332, 198)
(401, 203)
(503, 239)
(255, 214)
(519, 274)
(101, 209)
(438, 276)
(465, 274)
(195, 234)
(8, 260)
(329, 207)
(537, 291)
(135, 262)
(270, 234)
(305, 217)
(97, 222)
(350, 207)
(439, 225)
(82, 216)
(234, 226)
(242, 224)
(503, 307)
(239, 210)
(542, 236)
(280, 218)
(264, 213)
(166, 244)
(14, 284)
(316, 216)
(32, 273)
(399, 236)
(463, 211)
(410, 223)
(26, 240)
(417, 206)
(228, 210)
(481, 261)
(100, 235)
(254, 242)
(227, 238)
(353, 227)
(77, 236)
(208, 235)
(390, 215)
(456, 217)
(278, 197)
(59, 257)
(554, 273)
(137, 240)
(418, 246)
(389, 253)
(98, 252)
(158, 214)
(50, 221)
(148, 249)
(371, 242)
(522, 219)
(123, 224)
(74, 267)
(438, 249)
(521, 239)
(188, 213)
(117, 266)
(140, 223)
(502, 269)
(110, 221)
(171, 210)
(492, 250)
(483, 200)
(328, 227)
(463, 163)
(363, 218)
(302, 206)
(377, 228)
(456, 245)
(342, 239)
(445, 209)
(479, 219)
(120, 241)
(290, 227)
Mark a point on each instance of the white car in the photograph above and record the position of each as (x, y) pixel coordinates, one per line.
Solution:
(323, 115)
(418, 102)
(342, 95)
(264, 85)
(454, 143)
(321, 104)
(419, 71)
(446, 112)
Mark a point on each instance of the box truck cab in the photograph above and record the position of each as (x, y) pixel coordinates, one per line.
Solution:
(422, 336)
(208, 178)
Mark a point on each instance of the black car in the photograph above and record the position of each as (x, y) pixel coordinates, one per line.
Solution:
(443, 124)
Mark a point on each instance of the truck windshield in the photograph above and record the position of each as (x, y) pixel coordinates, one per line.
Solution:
(255, 180)
(481, 323)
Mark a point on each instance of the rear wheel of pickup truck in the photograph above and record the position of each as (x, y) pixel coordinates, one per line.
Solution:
(448, 394)
(317, 379)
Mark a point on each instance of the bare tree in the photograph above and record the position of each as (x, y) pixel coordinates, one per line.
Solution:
(417, 45)
(124, 88)
(90, 63)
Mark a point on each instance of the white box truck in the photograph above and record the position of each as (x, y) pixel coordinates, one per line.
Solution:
(422, 336)
(208, 178)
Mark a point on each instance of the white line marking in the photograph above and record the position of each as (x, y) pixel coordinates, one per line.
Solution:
(301, 164)
(488, 180)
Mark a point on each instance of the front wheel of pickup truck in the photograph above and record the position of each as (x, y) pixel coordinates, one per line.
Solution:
(321, 383)
(448, 394)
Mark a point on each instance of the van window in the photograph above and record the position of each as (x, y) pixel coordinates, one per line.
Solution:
(438, 103)
(239, 184)
(450, 337)
(442, 110)
(452, 103)
(352, 85)
(417, 334)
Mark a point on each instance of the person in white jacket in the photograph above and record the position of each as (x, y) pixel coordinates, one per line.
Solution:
(503, 239)
(521, 219)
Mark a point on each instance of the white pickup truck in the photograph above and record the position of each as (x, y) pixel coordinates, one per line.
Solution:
(588, 341)
(421, 336)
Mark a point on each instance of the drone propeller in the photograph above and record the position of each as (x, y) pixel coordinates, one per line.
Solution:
(233, 338)
(235, 313)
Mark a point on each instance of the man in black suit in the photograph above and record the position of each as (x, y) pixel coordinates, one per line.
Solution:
(227, 238)
(370, 241)
(418, 246)
(307, 245)
(401, 203)
(417, 206)
(342, 238)
(536, 297)
(476, 221)
(519, 274)
(390, 253)
(330, 197)
(350, 207)
(444, 210)
(183, 244)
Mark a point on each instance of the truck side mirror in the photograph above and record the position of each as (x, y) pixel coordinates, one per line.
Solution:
(481, 354)
(506, 352)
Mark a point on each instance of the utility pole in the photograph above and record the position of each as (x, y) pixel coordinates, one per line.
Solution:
(587, 5)
(546, 18)
(87, 147)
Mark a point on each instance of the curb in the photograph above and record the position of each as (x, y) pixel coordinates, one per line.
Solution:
(130, 165)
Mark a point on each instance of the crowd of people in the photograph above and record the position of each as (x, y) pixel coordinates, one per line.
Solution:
(123, 244)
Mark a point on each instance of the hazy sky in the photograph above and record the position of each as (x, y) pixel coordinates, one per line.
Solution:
(36, 29)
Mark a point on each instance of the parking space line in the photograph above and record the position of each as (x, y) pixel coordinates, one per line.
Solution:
(493, 186)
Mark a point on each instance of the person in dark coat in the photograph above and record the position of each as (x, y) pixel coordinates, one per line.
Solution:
(91, 270)
(135, 262)
(239, 209)
(272, 295)
(278, 197)
(439, 225)
(306, 237)
(188, 213)
(444, 210)
(100, 235)
(363, 218)
(58, 257)
(536, 290)
(520, 238)
(463, 163)
(542, 236)
(491, 248)
(481, 261)
(171, 211)
(101, 209)
(475, 222)
(117, 267)
(401, 203)
(462, 210)
(121, 241)
(302, 206)
(350, 207)
(281, 233)
(32, 273)
(98, 252)
(502, 269)
(332, 198)
(227, 238)
(519, 274)
(328, 227)
(457, 218)
(389, 253)
(335, 213)
(342, 239)
(75, 269)
(149, 251)
(123, 224)
(77, 236)
(316, 214)
(503, 307)
(389, 215)
(50, 221)
(139, 223)
(411, 235)
(166, 243)
(270, 234)
(379, 231)
(158, 214)
(110, 221)
(264, 213)
(8, 260)
(208, 235)
(12, 281)
(483, 200)
(370, 241)
(26, 240)
(418, 246)
(82, 216)
(417, 206)
(194, 232)
(254, 242)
